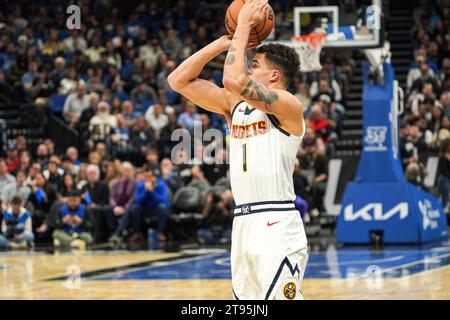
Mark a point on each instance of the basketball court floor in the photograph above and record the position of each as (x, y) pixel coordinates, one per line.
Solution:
(404, 272)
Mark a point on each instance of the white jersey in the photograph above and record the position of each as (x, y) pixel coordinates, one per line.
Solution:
(262, 157)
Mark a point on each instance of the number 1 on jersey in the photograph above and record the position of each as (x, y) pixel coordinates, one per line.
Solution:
(244, 157)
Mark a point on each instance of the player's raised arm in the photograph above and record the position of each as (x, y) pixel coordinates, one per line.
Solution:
(202, 92)
(264, 84)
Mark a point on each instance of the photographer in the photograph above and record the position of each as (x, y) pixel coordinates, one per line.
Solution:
(72, 224)
(217, 218)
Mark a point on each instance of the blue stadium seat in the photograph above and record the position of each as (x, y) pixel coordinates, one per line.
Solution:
(122, 96)
(57, 103)
(146, 104)
(172, 96)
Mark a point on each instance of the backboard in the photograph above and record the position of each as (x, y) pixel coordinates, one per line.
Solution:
(354, 24)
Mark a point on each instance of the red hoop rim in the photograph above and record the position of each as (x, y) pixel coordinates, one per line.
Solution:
(314, 40)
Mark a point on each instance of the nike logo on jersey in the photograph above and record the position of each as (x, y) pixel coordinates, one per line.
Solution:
(247, 111)
(271, 224)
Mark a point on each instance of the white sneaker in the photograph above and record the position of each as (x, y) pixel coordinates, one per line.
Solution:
(56, 243)
(78, 244)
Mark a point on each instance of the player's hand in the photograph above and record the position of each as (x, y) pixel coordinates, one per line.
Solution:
(252, 12)
(224, 42)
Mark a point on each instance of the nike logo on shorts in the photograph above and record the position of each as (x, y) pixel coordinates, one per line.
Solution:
(271, 224)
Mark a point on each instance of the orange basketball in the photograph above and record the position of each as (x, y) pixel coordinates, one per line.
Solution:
(258, 33)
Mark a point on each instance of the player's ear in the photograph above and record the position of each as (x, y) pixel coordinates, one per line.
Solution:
(275, 75)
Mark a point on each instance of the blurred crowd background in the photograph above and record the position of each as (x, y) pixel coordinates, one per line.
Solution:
(107, 84)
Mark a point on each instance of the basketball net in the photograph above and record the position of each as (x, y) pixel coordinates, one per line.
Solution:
(308, 48)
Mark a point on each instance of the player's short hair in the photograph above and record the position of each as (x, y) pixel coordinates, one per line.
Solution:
(282, 57)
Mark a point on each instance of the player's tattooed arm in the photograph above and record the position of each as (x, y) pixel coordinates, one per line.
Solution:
(256, 91)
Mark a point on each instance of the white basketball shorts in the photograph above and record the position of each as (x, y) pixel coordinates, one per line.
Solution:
(268, 251)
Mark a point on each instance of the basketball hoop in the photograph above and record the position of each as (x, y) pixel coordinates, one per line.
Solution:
(308, 48)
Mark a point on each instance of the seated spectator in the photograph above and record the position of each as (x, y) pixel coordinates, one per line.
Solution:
(414, 175)
(67, 186)
(166, 144)
(88, 113)
(152, 161)
(302, 190)
(42, 155)
(143, 138)
(188, 118)
(16, 226)
(18, 188)
(31, 81)
(24, 162)
(415, 72)
(156, 119)
(151, 199)
(218, 169)
(425, 78)
(172, 180)
(318, 166)
(96, 196)
(319, 122)
(129, 114)
(121, 196)
(217, 219)
(302, 93)
(443, 175)
(41, 200)
(121, 142)
(69, 83)
(12, 159)
(75, 104)
(59, 72)
(73, 224)
(101, 125)
(68, 167)
(53, 174)
(142, 93)
(5, 177)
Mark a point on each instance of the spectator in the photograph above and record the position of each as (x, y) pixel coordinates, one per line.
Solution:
(40, 200)
(24, 162)
(143, 138)
(142, 93)
(16, 226)
(317, 165)
(67, 186)
(217, 219)
(156, 119)
(166, 144)
(302, 190)
(12, 159)
(121, 143)
(53, 174)
(188, 118)
(18, 188)
(75, 104)
(121, 196)
(96, 196)
(70, 82)
(443, 175)
(101, 125)
(151, 199)
(42, 155)
(73, 224)
(5, 177)
(172, 180)
(129, 114)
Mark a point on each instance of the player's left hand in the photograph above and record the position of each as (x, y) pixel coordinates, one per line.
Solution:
(252, 12)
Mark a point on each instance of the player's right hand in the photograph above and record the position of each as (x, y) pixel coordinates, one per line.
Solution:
(224, 42)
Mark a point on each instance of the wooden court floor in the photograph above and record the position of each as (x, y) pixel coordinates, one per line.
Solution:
(25, 276)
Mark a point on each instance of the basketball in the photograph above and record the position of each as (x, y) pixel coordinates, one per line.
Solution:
(258, 33)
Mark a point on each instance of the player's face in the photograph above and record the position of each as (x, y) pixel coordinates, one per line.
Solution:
(260, 71)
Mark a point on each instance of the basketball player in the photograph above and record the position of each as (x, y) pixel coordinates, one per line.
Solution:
(269, 247)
